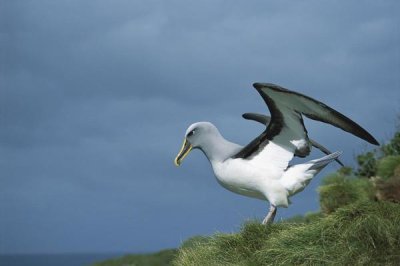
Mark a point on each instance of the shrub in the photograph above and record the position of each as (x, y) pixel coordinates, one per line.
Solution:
(393, 147)
(338, 190)
(366, 164)
(387, 165)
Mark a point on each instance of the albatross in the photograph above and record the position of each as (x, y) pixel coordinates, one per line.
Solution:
(261, 168)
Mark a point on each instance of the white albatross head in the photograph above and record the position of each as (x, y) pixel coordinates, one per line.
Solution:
(201, 135)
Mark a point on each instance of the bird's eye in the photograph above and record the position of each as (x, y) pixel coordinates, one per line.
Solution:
(190, 133)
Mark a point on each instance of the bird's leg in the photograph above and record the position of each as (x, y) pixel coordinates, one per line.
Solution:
(269, 219)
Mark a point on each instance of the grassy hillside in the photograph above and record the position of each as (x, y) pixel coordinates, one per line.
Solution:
(361, 233)
(359, 223)
(163, 257)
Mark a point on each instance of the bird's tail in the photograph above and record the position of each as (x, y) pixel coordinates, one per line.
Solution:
(320, 163)
(297, 177)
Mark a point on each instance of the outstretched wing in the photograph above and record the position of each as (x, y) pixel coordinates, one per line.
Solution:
(286, 128)
(264, 119)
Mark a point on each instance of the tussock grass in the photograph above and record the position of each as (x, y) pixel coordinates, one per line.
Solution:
(363, 233)
(163, 257)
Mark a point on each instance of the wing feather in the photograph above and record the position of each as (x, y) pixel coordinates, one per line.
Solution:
(286, 127)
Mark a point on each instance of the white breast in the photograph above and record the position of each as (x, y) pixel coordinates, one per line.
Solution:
(241, 177)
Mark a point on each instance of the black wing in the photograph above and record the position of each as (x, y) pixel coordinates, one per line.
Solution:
(287, 128)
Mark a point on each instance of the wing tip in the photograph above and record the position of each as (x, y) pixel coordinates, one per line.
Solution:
(373, 141)
(339, 162)
(365, 135)
(257, 85)
(260, 85)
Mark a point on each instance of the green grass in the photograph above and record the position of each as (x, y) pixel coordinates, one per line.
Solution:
(163, 257)
(364, 233)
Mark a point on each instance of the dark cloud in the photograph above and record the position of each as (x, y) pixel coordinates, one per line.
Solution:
(95, 98)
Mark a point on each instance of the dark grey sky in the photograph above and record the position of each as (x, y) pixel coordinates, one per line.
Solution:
(95, 97)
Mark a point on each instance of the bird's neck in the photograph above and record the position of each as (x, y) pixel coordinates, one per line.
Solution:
(219, 149)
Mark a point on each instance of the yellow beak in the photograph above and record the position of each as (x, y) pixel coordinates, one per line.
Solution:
(186, 148)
